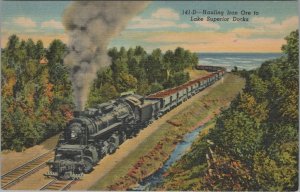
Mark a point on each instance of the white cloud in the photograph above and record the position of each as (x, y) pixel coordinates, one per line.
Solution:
(24, 22)
(272, 29)
(52, 24)
(262, 20)
(287, 24)
(161, 18)
(165, 13)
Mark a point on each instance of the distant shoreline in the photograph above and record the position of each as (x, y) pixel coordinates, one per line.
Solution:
(247, 61)
(275, 53)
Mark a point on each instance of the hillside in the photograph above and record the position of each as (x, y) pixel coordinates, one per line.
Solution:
(254, 144)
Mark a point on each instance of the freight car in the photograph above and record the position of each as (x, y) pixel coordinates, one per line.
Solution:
(99, 131)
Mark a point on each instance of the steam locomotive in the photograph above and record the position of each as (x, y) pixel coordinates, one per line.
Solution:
(99, 131)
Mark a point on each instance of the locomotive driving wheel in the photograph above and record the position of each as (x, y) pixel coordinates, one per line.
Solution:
(123, 136)
(112, 148)
(88, 166)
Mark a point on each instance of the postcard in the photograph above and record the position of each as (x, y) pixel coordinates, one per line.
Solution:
(150, 95)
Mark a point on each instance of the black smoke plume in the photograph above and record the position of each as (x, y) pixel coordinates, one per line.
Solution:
(90, 26)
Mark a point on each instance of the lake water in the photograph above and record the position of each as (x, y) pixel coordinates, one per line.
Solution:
(245, 61)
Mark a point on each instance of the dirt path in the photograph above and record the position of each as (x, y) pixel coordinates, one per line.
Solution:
(10, 160)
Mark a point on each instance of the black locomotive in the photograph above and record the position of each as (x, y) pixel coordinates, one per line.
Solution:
(99, 131)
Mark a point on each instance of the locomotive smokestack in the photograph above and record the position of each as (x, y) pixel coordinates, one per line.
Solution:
(76, 114)
(90, 26)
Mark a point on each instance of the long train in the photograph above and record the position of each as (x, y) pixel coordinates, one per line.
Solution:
(99, 131)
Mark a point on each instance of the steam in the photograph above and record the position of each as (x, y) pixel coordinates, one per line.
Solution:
(90, 26)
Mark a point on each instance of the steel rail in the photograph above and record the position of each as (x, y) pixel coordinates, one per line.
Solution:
(58, 185)
(16, 175)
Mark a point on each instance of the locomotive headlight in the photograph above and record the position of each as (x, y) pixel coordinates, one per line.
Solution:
(73, 134)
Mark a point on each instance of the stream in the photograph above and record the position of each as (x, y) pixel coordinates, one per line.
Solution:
(154, 180)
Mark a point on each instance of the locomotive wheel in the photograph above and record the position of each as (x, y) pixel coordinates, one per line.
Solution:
(64, 176)
(123, 137)
(88, 166)
(133, 133)
(112, 148)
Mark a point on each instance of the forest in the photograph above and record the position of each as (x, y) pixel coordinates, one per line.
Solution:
(254, 144)
(136, 70)
(36, 93)
(37, 98)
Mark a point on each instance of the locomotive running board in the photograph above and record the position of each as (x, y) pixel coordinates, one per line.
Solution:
(109, 128)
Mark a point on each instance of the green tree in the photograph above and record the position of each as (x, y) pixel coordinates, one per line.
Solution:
(126, 82)
(140, 52)
(179, 59)
(167, 63)
(100, 95)
(58, 74)
(292, 48)
(155, 87)
(272, 176)
(103, 76)
(22, 57)
(12, 50)
(30, 49)
(40, 50)
(257, 87)
(56, 52)
(113, 53)
(153, 66)
(143, 87)
(239, 134)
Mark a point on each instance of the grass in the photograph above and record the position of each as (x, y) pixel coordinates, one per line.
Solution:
(151, 154)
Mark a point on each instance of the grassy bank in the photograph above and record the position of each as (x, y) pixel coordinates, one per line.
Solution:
(151, 154)
(194, 74)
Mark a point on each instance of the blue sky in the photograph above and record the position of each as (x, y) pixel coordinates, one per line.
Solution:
(162, 25)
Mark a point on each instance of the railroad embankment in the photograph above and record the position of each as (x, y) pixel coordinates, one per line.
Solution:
(156, 148)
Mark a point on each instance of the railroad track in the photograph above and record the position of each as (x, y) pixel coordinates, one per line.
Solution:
(16, 175)
(58, 185)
